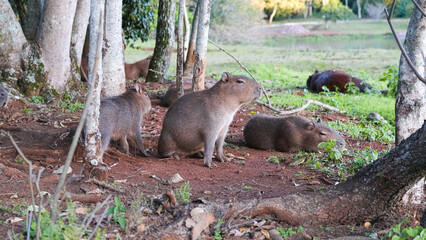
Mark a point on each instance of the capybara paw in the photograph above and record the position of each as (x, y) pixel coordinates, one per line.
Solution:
(145, 154)
(175, 156)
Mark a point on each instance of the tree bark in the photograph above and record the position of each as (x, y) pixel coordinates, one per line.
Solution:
(364, 197)
(34, 9)
(358, 3)
(180, 50)
(163, 42)
(271, 18)
(201, 47)
(54, 39)
(114, 81)
(410, 106)
(79, 29)
(92, 141)
(188, 69)
(12, 41)
(187, 33)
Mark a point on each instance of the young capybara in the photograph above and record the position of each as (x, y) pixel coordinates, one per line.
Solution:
(333, 79)
(4, 96)
(121, 116)
(137, 69)
(201, 119)
(288, 134)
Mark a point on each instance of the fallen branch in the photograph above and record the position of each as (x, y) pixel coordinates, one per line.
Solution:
(94, 180)
(404, 53)
(268, 101)
(308, 102)
(84, 198)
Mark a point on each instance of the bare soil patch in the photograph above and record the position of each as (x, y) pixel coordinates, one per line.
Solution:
(45, 135)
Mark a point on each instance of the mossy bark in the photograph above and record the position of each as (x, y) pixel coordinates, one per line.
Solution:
(163, 42)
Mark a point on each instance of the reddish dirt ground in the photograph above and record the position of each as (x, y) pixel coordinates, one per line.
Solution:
(45, 136)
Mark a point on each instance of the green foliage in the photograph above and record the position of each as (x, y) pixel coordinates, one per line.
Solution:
(273, 159)
(68, 105)
(375, 131)
(403, 8)
(117, 210)
(396, 233)
(66, 228)
(138, 19)
(335, 10)
(285, 8)
(330, 152)
(287, 232)
(38, 99)
(217, 235)
(362, 159)
(391, 77)
(351, 88)
(183, 194)
(20, 161)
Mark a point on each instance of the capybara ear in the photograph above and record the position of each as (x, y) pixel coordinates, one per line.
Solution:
(137, 87)
(225, 77)
(316, 71)
(311, 126)
(319, 120)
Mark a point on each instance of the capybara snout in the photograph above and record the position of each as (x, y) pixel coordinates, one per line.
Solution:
(288, 134)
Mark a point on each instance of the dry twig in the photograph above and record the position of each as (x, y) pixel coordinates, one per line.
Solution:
(308, 102)
(88, 219)
(404, 53)
(96, 181)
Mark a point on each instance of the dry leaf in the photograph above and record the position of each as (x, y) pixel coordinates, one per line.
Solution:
(202, 221)
(265, 233)
(81, 210)
(14, 220)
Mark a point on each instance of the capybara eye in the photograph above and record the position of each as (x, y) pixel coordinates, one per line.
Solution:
(323, 133)
(240, 81)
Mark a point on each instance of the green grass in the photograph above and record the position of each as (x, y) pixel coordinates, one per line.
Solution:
(281, 69)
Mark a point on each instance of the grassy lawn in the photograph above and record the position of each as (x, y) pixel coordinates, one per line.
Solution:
(281, 68)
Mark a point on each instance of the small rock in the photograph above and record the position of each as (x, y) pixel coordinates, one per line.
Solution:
(275, 235)
(375, 116)
(207, 192)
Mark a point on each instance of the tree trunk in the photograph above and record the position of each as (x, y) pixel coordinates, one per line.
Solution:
(114, 81)
(188, 69)
(271, 18)
(12, 41)
(34, 9)
(54, 39)
(364, 197)
(163, 42)
(201, 47)
(92, 140)
(78, 35)
(410, 106)
(358, 3)
(180, 57)
(187, 33)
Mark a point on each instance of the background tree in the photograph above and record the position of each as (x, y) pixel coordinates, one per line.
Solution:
(190, 57)
(201, 46)
(138, 19)
(180, 49)
(163, 42)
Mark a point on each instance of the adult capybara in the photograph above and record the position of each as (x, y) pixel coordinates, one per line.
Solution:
(288, 134)
(4, 96)
(121, 116)
(137, 69)
(201, 119)
(333, 79)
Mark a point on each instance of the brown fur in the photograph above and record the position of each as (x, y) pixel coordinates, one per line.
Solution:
(132, 70)
(288, 134)
(121, 116)
(333, 79)
(137, 69)
(4, 96)
(201, 119)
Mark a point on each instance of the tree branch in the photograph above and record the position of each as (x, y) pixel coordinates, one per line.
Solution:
(404, 53)
(419, 8)
(245, 69)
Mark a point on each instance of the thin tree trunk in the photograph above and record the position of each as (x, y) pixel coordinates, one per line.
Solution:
(34, 9)
(410, 106)
(54, 38)
(114, 81)
(92, 140)
(78, 35)
(163, 42)
(180, 50)
(364, 197)
(12, 40)
(271, 18)
(187, 33)
(358, 3)
(201, 47)
(188, 69)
